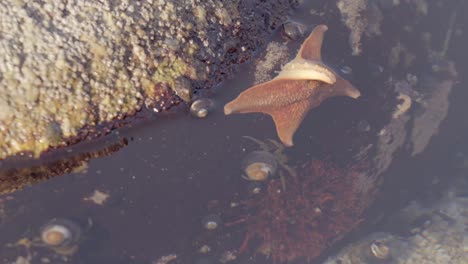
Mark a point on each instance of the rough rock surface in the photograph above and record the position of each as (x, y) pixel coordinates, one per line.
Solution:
(68, 67)
(442, 238)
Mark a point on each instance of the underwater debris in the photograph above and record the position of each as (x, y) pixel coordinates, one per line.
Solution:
(346, 70)
(98, 197)
(318, 207)
(380, 250)
(227, 257)
(166, 259)
(403, 106)
(204, 249)
(255, 188)
(23, 260)
(3, 207)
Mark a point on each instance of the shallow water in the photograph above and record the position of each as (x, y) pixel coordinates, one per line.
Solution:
(176, 169)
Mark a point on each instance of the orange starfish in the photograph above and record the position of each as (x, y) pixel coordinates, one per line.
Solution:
(301, 85)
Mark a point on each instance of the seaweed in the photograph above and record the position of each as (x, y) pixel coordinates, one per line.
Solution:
(319, 206)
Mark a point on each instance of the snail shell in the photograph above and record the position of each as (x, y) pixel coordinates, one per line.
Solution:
(259, 165)
(201, 107)
(61, 235)
(211, 221)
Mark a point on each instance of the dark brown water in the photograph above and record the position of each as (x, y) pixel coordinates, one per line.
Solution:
(177, 169)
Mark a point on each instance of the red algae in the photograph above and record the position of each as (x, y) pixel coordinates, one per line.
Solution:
(317, 208)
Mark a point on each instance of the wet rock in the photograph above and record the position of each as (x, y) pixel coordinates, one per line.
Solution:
(439, 239)
(293, 30)
(183, 88)
(85, 64)
(255, 188)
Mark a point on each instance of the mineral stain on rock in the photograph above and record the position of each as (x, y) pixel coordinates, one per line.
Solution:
(67, 67)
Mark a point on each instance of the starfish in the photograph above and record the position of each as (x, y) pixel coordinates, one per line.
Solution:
(301, 85)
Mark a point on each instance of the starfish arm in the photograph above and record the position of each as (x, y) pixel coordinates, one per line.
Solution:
(344, 88)
(269, 95)
(289, 118)
(302, 85)
(311, 48)
(308, 64)
(286, 101)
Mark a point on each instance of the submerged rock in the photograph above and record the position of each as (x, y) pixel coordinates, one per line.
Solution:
(441, 238)
(17, 175)
(81, 64)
